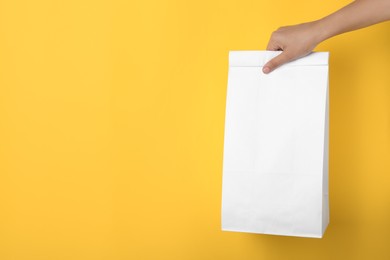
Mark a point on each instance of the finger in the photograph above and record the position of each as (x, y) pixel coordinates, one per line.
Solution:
(276, 62)
(272, 46)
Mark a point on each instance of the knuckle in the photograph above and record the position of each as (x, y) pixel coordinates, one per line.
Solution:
(276, 35)
(272, 64)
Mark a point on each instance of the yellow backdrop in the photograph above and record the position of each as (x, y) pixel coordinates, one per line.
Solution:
(112, 122)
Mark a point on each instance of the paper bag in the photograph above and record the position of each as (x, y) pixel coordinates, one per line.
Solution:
(275, 160)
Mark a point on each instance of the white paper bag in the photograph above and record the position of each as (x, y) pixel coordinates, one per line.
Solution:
(275, 161)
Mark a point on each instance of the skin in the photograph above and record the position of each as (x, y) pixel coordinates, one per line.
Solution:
(297, 41)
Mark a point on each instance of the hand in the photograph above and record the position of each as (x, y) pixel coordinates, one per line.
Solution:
(295, 41)
(299, 40)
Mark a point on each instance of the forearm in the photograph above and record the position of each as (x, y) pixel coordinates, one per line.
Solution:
(358, 14)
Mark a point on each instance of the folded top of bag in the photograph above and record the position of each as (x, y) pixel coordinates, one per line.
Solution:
(260, 58)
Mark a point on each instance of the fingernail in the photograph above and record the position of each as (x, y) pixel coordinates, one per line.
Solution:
(266, 70)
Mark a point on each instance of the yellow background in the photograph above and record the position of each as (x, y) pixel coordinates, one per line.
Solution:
(112, 122)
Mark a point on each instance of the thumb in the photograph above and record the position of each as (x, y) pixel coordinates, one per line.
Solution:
(276, 62)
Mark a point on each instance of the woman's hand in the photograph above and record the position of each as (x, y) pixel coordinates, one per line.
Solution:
(295, 41)
(299, 40)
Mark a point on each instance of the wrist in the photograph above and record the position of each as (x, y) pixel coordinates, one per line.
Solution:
(320, 31)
